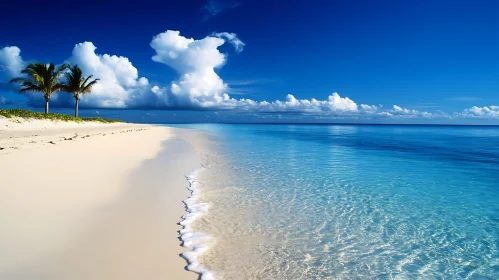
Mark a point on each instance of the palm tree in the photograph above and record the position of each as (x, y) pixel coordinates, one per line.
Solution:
(77, 84)
(43, 78)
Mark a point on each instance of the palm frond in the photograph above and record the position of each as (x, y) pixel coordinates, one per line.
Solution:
(28, 83)
(51, 67)
(87, 88)
(29, 89)
(17, 80)
(76, 83)
(58, 87)
(86, 80)
(62, 68)
(40, 77)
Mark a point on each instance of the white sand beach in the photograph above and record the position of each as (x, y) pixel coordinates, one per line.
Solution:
(92, 201)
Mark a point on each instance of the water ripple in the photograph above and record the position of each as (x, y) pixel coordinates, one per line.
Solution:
(353, 202)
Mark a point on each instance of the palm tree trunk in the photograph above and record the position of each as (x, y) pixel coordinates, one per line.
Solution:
(46, 105)
(76, 108)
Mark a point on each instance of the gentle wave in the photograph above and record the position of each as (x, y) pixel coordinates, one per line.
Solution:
(197, 242)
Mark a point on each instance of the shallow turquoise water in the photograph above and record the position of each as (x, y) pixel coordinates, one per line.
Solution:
(360, 202)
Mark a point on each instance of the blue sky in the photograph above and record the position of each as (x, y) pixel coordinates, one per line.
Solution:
(409, 61)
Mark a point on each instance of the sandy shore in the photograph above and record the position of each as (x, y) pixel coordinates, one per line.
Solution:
(92, 201)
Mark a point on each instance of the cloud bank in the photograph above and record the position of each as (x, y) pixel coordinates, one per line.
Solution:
(197, 86)
(481, 112)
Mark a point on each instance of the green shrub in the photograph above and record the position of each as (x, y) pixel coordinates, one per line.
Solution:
(27, 114)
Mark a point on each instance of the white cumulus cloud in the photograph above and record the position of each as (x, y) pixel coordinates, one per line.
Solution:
(11, 63)
(400, 112)
(195, 61)
(119, 85)
(334, 104)
(368, 108)
(481, 112)
(404, 111)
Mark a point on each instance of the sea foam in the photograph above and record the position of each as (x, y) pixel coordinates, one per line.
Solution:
(197, 242)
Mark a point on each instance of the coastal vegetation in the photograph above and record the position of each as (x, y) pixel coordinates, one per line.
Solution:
(43, 78)
(77, 84)
(28, 114)
(46, 79)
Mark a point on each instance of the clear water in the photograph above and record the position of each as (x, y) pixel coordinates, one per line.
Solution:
(352, 202)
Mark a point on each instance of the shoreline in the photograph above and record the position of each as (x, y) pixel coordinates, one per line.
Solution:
(100, 202)
(191, 239)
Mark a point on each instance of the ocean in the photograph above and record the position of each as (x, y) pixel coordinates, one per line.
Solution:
(348, 202)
